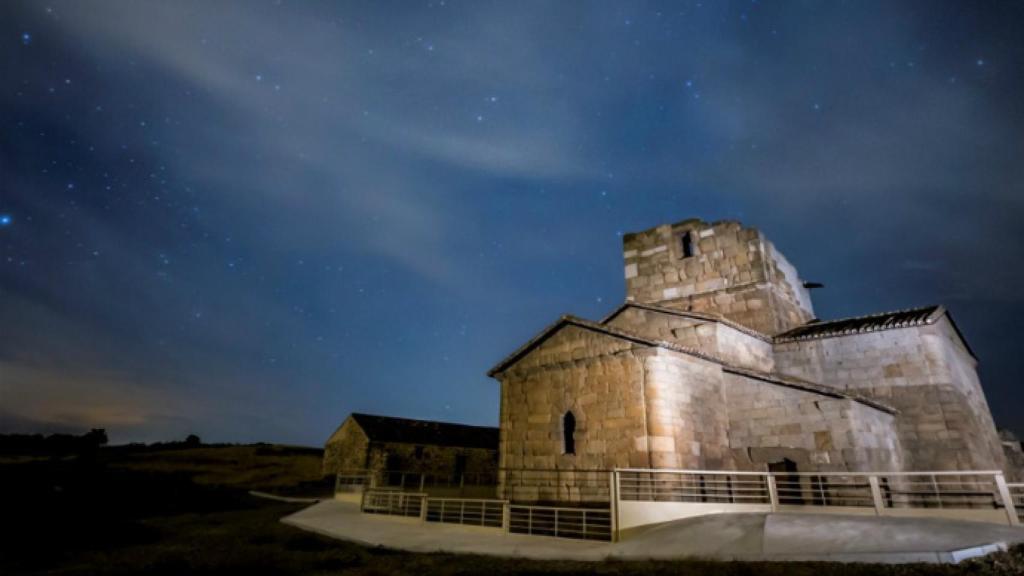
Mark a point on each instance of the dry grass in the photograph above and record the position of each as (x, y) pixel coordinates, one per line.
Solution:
(272, 468)
(187, 512)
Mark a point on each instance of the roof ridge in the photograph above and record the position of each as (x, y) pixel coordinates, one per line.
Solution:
(893, 319)
(598, 327)
(868, 316)
(709, 316)
(420, 420)
(807, 385)
(771, 377)
(651, 341)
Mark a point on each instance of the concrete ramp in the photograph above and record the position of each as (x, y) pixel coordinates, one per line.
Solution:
(817, 537)
(756, 536)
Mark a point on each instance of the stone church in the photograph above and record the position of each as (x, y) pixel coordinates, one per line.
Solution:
(716, 361)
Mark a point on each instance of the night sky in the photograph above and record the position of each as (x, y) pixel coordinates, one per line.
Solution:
(246, 220)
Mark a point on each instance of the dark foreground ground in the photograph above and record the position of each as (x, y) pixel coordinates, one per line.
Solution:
(188, 512)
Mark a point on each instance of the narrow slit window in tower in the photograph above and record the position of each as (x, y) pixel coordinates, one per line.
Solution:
(686, 241)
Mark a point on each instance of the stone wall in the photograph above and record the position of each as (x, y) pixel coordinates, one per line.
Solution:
(719, 340)
(597, 377)
(635, 406)
(733, 271)
(925, 373)
(348, 449)
(437, 462)
(768, 423)
(686, 413)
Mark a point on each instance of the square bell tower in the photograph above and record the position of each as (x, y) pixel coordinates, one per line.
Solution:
(721, 268)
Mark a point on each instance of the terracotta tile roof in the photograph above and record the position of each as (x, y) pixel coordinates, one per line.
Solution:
(409, 431)
(863, 324)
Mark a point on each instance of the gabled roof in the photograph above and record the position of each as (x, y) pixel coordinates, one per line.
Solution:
(705, 316)
(409, 431)
(778, 379)
(569, 320)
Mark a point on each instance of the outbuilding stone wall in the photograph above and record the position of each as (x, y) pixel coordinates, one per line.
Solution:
(349, 449)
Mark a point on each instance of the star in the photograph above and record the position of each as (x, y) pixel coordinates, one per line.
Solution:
(6, 219)
(980, 62)
(26, 38)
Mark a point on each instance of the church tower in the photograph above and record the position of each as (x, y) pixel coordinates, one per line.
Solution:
(720, 268)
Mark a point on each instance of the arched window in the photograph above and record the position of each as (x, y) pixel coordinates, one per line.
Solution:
(568, 433)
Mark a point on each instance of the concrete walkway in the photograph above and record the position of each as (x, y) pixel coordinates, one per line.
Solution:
(720, 537)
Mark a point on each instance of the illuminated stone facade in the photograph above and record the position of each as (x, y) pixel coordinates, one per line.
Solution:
(716, 361)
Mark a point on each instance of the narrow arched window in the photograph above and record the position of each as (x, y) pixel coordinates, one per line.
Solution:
(568, 433)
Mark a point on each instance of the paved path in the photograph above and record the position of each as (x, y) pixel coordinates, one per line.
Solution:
(722, 536)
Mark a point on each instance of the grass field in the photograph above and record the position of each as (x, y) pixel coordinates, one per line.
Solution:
(188, 512)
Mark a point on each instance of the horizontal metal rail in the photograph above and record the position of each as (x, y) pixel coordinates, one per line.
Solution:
(540, 487)
(861, 474)
(468, 511)
(950, 491)
(561, 522)
(393, 503)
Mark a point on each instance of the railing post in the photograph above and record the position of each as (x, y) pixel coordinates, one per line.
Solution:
(773, 492)
(1004, 493)
(506, 516)
(424, 503)
(613, 502)
(876, 494)
(423, 481)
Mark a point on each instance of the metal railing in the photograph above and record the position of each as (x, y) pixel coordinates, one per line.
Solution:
(1016, 491)
(891, 493)
(435, 484)
(541, 486)
(467, 511)
(393, 503)
(956, 490)
(601, 505)
(561, 522)
(729, 487)
(352, 481)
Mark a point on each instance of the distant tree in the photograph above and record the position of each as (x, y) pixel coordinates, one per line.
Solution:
(95, 438)
(192, 441)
